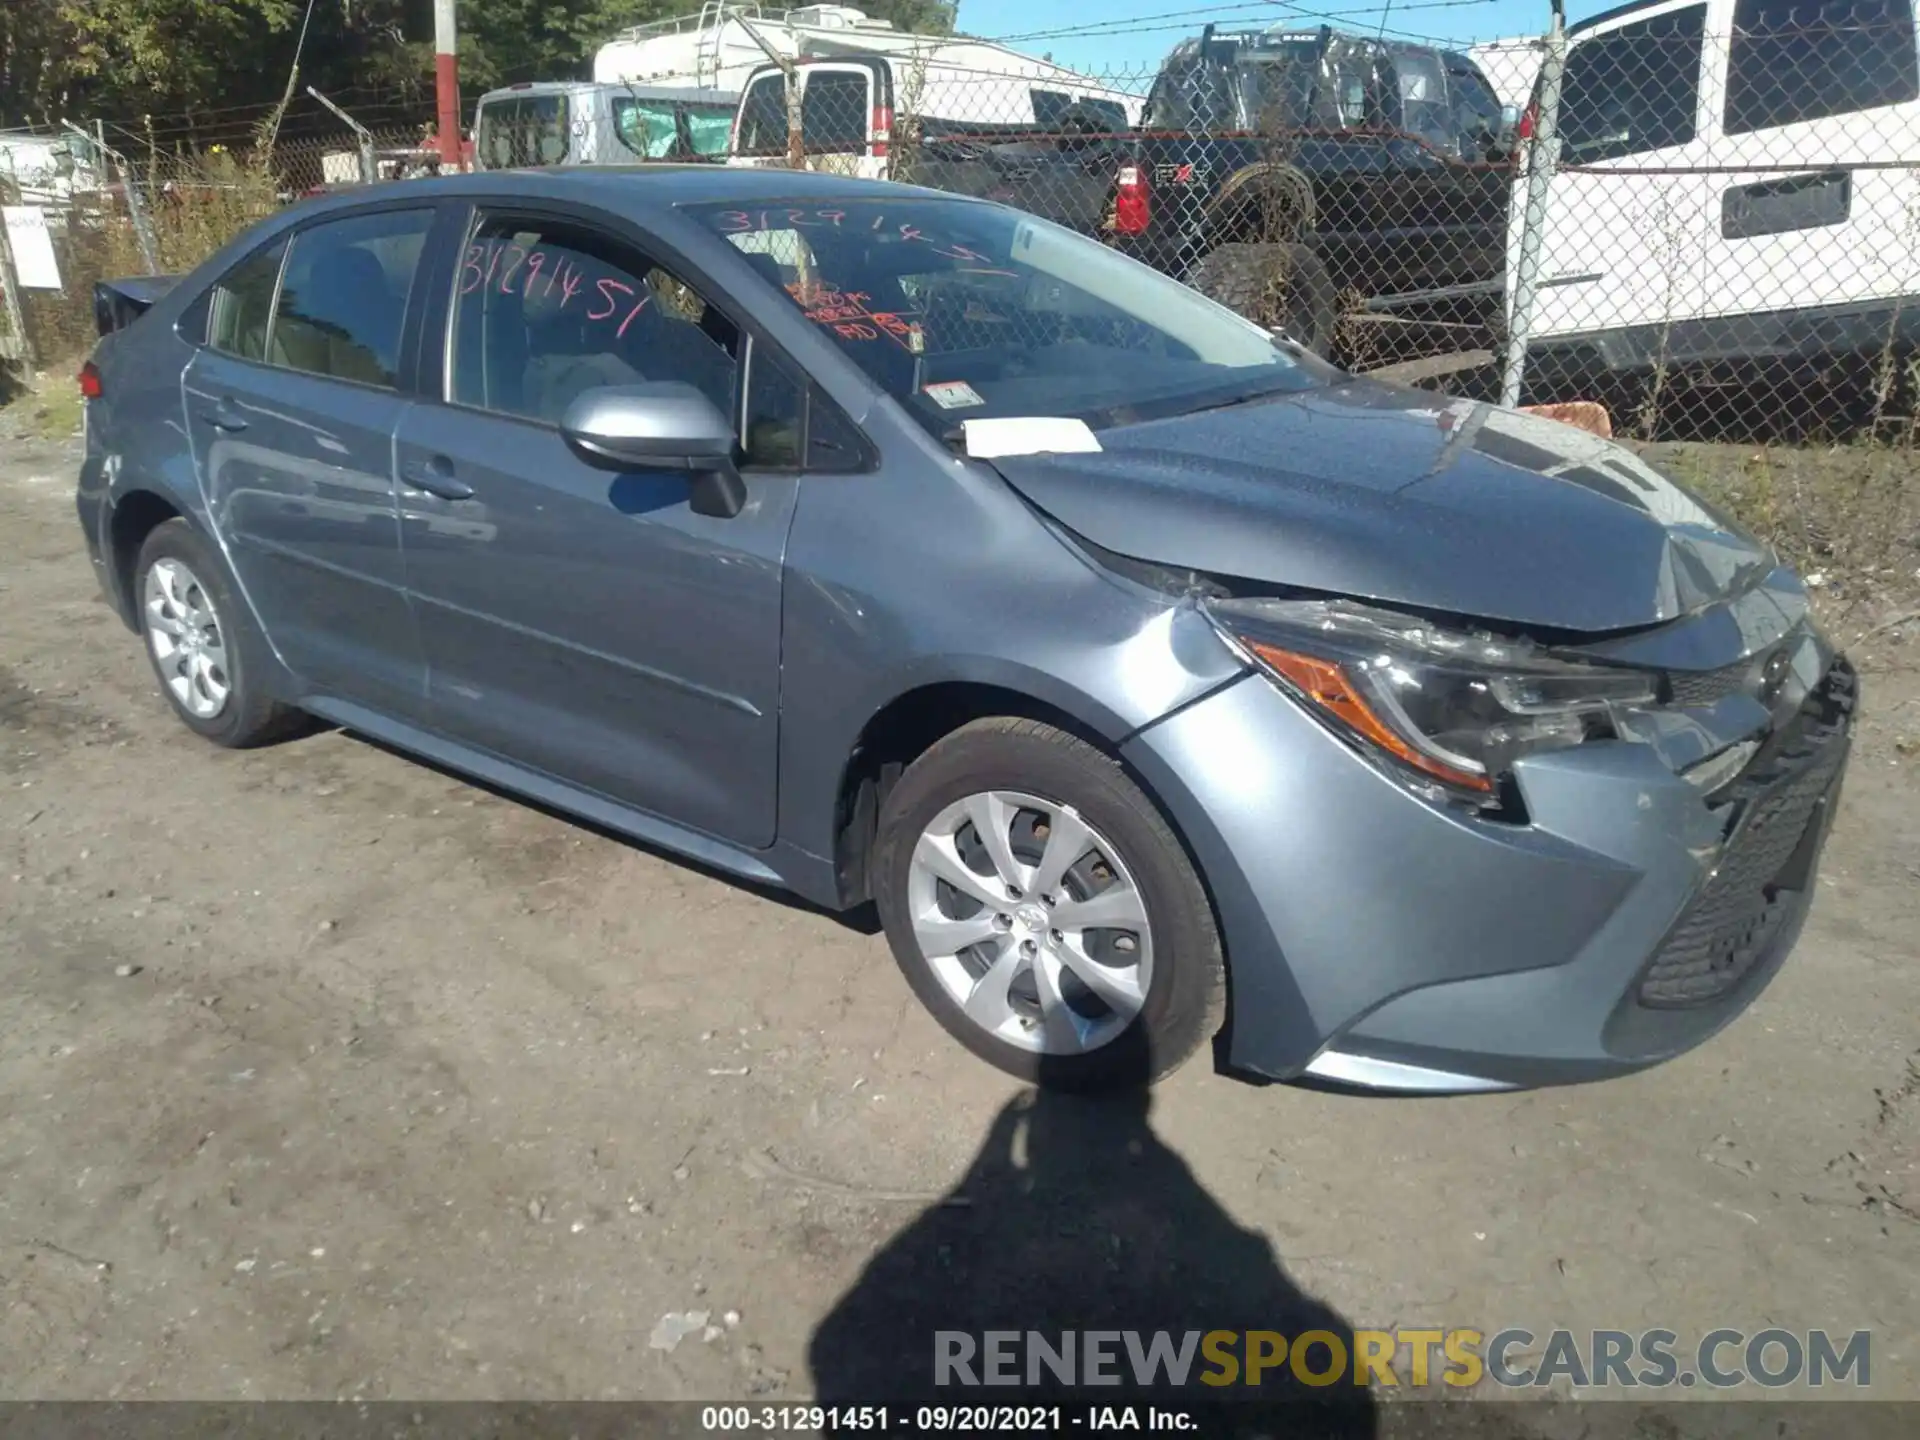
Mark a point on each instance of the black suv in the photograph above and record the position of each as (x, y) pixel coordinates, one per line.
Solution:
(1337, 162)
(1278, 170)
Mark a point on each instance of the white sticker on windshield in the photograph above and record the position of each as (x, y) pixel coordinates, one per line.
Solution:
(952, 394)
(1028, 435)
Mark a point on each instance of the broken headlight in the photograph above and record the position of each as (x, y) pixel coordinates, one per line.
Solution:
(1451, 707)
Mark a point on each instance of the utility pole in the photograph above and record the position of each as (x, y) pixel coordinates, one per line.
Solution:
(446, 84)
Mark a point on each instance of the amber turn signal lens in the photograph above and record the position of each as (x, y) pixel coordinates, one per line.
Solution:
(1325, 684)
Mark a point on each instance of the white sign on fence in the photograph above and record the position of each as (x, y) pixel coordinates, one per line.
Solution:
(34, 266)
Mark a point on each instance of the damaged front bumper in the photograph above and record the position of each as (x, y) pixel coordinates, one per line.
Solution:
(1376, 939)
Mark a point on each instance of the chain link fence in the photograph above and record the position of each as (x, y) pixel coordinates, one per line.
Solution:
(157, 194)
(1703, 216)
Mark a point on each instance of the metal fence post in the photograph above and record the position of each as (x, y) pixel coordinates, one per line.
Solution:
(1543, 155)
(137, 209)
(15, 313)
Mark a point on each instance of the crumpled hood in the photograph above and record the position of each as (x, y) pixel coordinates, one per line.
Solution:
(1403, 497)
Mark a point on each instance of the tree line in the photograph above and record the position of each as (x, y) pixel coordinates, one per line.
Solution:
(125, 58)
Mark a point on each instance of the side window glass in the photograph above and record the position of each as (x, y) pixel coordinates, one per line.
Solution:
(1633, 89)
(834, 112)
(546, 311)
(775, 410)
(345, 295)
(763, 117)
(1793, 60)
(1476, 109)
(648, 130)
(711, 131)
(832, 442)
(1166, 102)
(242, 303)
(1048, 106)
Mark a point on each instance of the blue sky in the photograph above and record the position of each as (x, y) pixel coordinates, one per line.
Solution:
(1137, 33)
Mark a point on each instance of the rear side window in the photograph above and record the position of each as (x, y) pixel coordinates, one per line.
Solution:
(1793, 60)
(763, 117)
(345, 295)
(648, 130)
(834, 111)
(243, 304)
(710, 130)
(1633, 89)
(1048, 106)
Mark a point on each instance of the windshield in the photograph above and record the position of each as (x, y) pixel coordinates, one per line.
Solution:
(963, 311)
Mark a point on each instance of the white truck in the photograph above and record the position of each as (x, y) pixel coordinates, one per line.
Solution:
(1734, 188)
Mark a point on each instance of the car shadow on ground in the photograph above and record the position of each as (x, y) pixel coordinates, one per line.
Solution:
(1074, 1216)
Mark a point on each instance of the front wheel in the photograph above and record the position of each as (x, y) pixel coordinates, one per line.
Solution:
(1042, 909)
(1281, 287)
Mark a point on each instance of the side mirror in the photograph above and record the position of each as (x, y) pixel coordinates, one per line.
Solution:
(665, 425)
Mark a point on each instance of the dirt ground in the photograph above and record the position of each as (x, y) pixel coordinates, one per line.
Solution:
(325, 1074)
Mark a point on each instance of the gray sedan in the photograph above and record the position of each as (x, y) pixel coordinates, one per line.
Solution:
(1155, 682)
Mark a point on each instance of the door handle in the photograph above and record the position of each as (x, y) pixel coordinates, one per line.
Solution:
(436, 477)
(223, 415)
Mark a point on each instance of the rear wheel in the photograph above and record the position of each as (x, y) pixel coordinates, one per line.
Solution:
(207, 656)
(1283, 287)
(1042, 909)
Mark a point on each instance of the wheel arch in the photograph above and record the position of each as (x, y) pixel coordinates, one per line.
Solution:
(917, 717)
(134, 515)
(1269, 200)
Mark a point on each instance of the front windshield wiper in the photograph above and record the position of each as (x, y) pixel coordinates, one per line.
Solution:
(1246, 397)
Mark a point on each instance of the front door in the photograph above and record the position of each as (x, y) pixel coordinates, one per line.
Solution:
(292, 406)
(586, 623)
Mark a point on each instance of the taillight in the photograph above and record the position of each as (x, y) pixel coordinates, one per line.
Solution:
(1132, 207)
(90, 386)
(882, 129)
(1525, 128)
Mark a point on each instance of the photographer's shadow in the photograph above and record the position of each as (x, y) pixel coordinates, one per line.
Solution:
(1074, 1217)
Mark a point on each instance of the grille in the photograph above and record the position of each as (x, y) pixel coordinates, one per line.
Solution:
(1747, 900)
(1708, 687)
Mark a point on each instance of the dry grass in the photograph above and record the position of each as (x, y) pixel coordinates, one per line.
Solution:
(47, 405)
(1847, 515)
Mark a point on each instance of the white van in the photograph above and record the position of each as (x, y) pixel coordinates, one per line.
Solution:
(577, 122)
(1734, 186)
(848, 103)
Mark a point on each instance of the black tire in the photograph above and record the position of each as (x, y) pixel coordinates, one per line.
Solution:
(250, 716)
(1283, 287)
(1185, 1001)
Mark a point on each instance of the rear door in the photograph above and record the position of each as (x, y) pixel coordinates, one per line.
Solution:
(1629, 205)
(292, 407)
(845, 122)
(1816, 98)
(760, 130)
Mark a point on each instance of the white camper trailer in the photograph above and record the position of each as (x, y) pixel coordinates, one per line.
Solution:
(952, 78)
